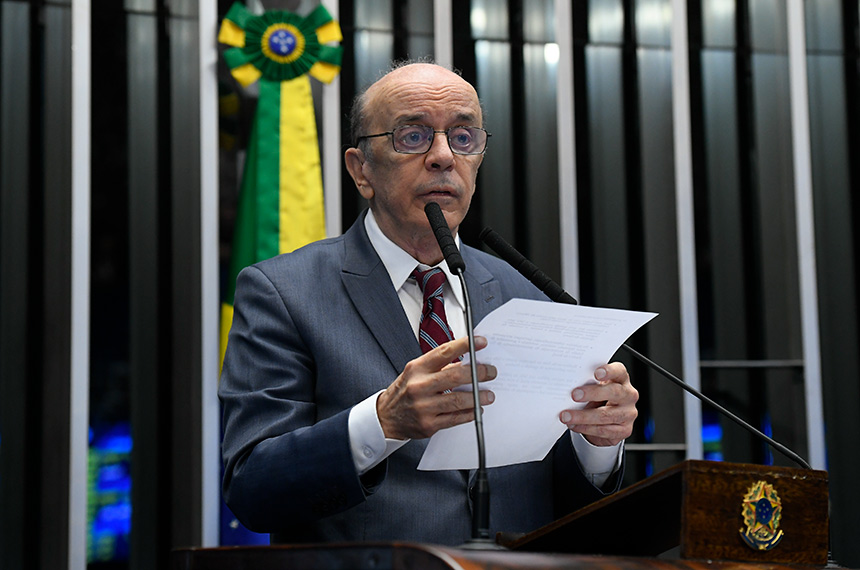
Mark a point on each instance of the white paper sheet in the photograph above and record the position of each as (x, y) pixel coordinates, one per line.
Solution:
(542, 351)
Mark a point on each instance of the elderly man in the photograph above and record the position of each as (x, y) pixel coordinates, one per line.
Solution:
(329, 396)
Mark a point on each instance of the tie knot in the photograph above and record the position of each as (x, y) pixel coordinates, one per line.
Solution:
(430, 281)
(433, 328)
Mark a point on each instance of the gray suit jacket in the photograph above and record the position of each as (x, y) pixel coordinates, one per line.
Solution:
(315, 332)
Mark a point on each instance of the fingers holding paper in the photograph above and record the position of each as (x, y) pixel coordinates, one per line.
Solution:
(422, 400)
(610, 410)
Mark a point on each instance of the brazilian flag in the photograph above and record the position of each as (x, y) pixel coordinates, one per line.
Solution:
(281, 203)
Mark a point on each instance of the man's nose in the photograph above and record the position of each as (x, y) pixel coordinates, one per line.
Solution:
(439, 157)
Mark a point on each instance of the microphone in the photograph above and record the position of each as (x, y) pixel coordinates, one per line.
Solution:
(528, 269)
(481, 511)
(556, 293)
(443, 235)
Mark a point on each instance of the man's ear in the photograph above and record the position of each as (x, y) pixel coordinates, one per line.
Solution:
(355, 165)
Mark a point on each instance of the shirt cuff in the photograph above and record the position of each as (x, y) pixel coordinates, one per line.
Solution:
(597, 463)
(367, 441)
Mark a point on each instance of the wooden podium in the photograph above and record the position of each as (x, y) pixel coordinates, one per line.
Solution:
(697, 508)
(694, 516)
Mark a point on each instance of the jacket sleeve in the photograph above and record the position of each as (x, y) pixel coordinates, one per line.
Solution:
(572, 490)
(281, 465)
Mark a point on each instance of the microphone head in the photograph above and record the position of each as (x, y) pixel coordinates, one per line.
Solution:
(434, 214)
(443, 235)
(528, 269)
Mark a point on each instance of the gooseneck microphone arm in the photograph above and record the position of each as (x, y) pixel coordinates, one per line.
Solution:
(481, 511)
(557, 294)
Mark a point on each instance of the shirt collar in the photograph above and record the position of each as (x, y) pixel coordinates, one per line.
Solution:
(400, 264)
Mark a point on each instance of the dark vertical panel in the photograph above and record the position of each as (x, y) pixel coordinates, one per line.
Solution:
(56, 319)
(163, 413)
(659, 246)
(109, 283)
(720, 218)
(19, 457)
(147, 371)
(185, 303)
(581, 113)
(540, 136)
(722, 291)
(749, 207)
(608, 244)
(419, 24)
(368, 51)
(632, 142)
(636, 286)
(834, 83)
(350, 206)
(153, 378)
(705, 289)
(610, 273)
(851, 37)
(465, 62)
(400, 16)
(495, 180)
(36, 361)
(736, 444)
(540, 152)
(779, 297)
(778, 402)
(464, 42)
(518, 118)
(490, 30)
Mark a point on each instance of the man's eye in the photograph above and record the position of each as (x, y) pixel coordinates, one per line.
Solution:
(461, 138)
(412, 136)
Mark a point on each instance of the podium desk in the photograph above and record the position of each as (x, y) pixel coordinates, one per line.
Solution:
(712, 515)
(416, 556)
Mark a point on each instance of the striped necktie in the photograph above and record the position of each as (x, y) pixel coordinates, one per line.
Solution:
(433, 329)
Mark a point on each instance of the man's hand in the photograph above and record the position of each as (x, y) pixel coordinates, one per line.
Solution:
(419, 402)
(608, 417)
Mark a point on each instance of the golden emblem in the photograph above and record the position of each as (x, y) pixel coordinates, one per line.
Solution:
(761, 511)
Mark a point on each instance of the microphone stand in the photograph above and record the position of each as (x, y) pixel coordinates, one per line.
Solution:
(481, 497)
(554, 291)
(557, 294)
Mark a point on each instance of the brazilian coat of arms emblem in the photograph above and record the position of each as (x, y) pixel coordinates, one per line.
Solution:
(761, 511)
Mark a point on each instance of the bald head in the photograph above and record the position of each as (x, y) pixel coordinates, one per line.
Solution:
(376, 98)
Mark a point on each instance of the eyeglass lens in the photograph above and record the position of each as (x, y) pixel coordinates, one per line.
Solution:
(415, 139)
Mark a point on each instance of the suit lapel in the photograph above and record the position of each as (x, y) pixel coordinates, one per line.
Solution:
(369, 287)
(485, 292)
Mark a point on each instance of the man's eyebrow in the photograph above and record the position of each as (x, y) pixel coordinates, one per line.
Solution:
(465, 118)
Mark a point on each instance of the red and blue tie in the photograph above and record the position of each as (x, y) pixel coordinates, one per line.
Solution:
(433, 329)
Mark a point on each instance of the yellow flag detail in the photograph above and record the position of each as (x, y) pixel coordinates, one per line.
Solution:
(226, 323)
(302, 217)
(329, 32)
(325, 72)
(231, 34)
(246, 74)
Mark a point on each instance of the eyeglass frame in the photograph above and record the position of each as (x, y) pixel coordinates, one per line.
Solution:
(434, 131)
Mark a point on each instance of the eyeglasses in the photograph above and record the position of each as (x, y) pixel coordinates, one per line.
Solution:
(417, 139)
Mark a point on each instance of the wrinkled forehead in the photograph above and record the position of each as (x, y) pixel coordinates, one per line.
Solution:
(422, 93)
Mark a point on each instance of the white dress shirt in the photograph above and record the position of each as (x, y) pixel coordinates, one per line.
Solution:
(367, 441)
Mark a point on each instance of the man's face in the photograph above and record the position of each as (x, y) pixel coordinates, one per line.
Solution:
(400, 185)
